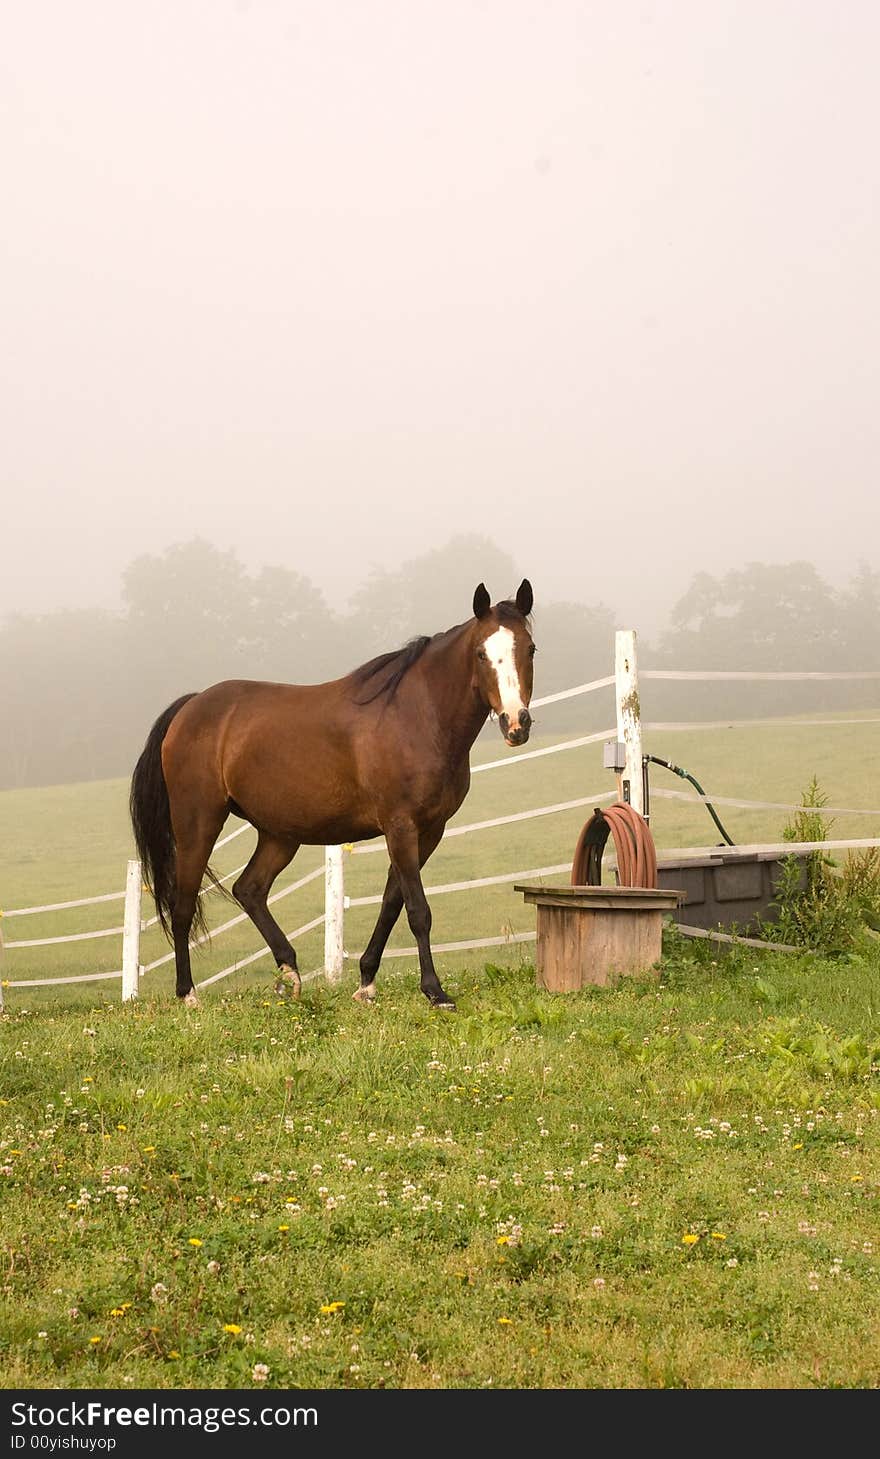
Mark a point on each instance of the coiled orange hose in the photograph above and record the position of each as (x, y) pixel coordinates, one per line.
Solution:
(633, 842)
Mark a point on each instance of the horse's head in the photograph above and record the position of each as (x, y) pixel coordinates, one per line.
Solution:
(503, 654)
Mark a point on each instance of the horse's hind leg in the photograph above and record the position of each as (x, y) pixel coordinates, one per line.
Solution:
(252, 889)
(193, 850)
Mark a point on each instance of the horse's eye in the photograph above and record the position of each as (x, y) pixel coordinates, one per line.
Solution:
(481, 654)
(532, 650)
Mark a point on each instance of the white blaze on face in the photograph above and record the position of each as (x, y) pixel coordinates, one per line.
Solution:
(500, 647)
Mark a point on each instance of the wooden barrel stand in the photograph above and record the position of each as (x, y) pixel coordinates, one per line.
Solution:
(591, 935)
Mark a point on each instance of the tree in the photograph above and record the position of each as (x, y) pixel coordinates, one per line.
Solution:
(429, 593)
(765, 616)
(860, 620)
(762, 616)
(64, 698)
(196, 616)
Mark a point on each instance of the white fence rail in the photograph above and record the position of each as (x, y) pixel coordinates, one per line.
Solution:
(628, 729)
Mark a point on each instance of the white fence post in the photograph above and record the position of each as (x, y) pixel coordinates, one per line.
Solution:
(334, 917)
(629, 722)
(131, 932)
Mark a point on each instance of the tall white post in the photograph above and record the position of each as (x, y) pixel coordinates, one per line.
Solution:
(131, 932)
(629, 723)
(334, 904)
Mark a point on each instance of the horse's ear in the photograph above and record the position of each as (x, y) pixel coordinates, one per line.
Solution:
(525, 597)
(482, 601)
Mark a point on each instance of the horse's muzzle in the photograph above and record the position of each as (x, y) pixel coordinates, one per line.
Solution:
(518, 733)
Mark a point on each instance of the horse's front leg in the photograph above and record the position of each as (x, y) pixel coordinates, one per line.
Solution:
(403, 848)
(392, 906)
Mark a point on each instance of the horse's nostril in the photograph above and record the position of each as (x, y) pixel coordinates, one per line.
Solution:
(525, 719)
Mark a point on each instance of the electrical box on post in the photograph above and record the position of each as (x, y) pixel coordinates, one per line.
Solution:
(614, 756)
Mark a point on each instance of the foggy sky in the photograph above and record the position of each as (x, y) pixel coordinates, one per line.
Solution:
(331, 281)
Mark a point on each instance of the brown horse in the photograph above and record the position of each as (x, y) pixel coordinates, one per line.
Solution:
(384, 750)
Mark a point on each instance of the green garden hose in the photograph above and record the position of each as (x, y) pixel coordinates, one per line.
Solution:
(686, 775)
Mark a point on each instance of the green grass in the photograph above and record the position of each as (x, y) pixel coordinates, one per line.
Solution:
(667, 1184)
(59, 843)
(396, 1197)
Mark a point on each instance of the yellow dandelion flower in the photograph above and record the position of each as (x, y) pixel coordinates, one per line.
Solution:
(330, 1307)
(689, 1238)
(196, 1241)
(855, 1177)
(148, 1149)
(798, 1146)
(15, 1152)
(122, 1127)
(502, 1241)
(174, 1353)
(283, 1228)
(94, 1339)
(117, 1311)
(718, 1236)
(232, 1328)
(505, 1322)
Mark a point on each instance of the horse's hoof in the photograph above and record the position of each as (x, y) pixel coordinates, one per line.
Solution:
(366, 994)
(444, 1003)
(288, 983)
(190, 1000)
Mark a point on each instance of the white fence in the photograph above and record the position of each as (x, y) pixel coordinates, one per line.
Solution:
(626, 731)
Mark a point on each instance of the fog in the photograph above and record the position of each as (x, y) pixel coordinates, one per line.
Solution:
(328, 283)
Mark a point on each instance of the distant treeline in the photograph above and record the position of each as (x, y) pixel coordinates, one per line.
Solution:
(79, 689)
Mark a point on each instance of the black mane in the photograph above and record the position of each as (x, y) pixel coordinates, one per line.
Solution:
(398, 662)
(507, 612)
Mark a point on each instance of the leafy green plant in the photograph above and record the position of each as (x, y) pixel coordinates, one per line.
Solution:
(821, 905)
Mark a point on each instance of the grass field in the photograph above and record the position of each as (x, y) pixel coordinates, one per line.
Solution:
(668, 1183)
(64, 842)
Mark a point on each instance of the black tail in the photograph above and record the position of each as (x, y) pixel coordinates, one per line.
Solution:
(151, 820)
